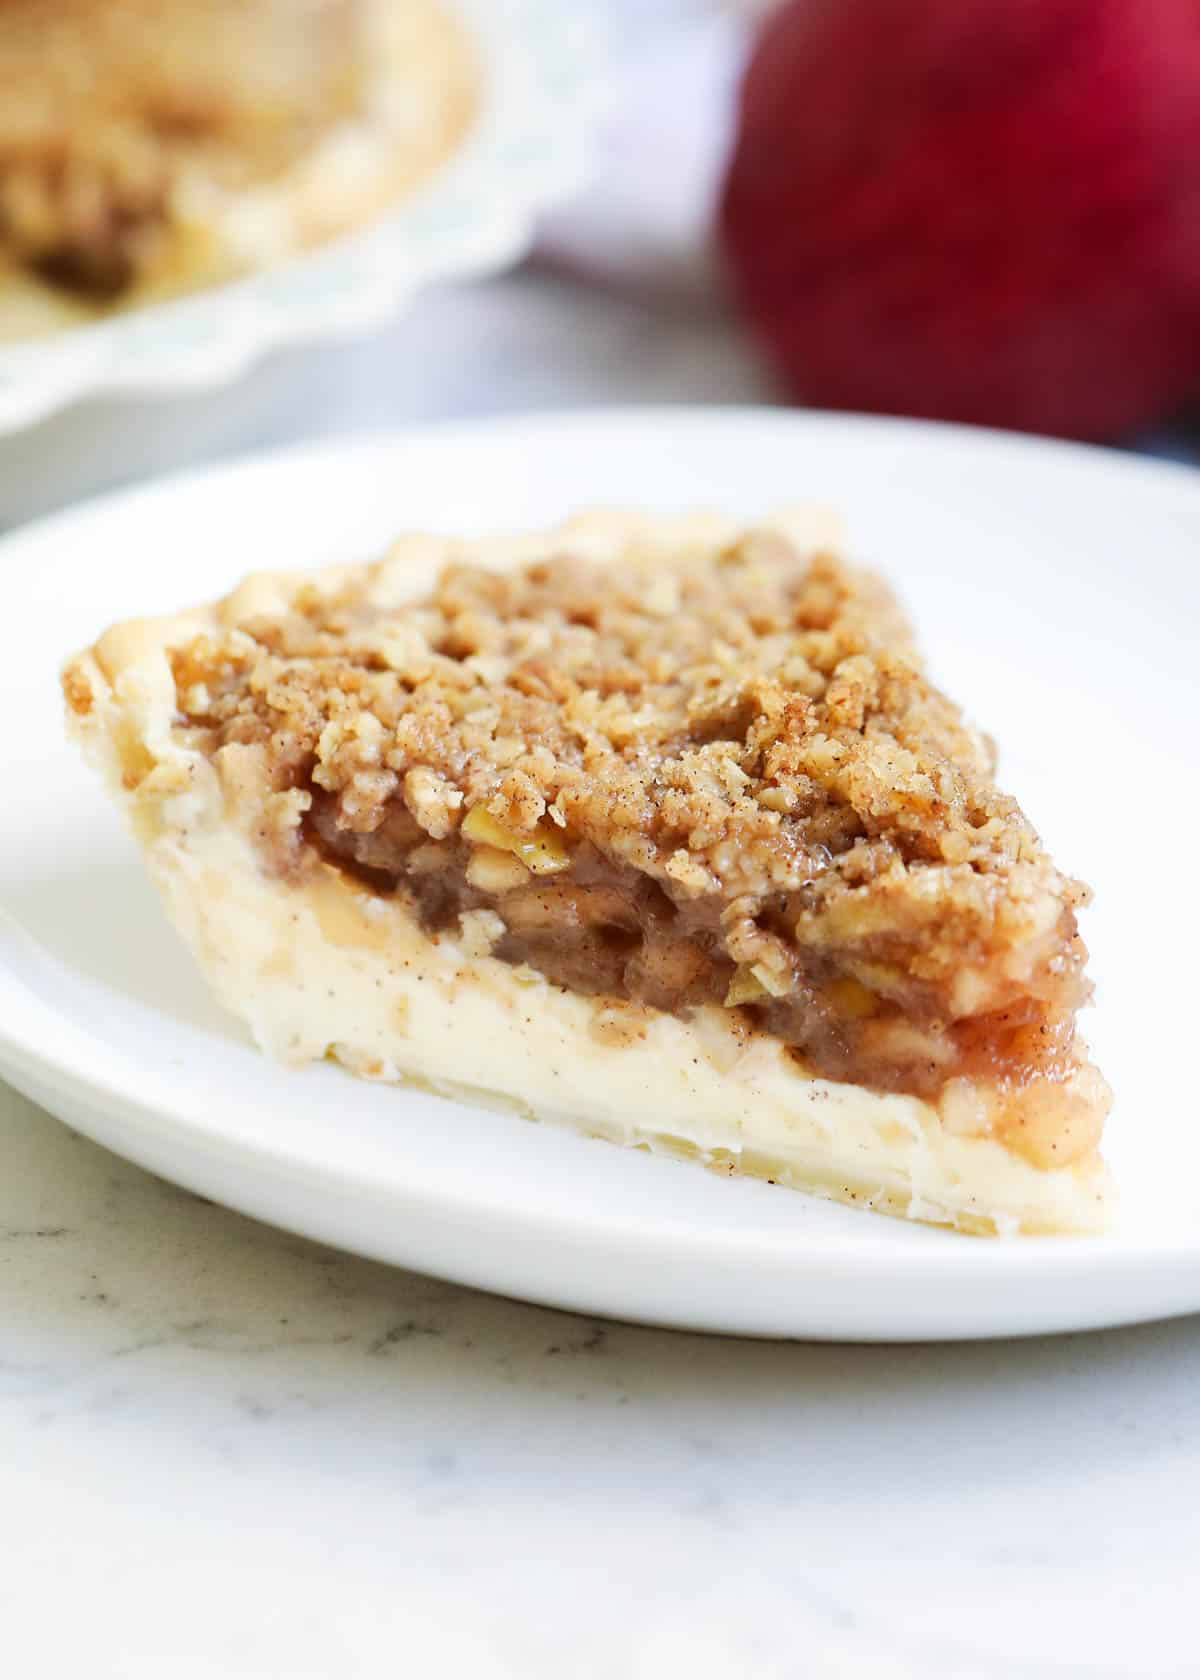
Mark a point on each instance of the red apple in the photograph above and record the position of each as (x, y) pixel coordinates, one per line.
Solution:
(980, 210)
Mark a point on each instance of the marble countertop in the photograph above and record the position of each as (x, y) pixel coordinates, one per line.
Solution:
(229, 1452)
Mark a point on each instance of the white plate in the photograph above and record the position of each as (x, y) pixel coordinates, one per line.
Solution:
(1056, 590)
(526, 150)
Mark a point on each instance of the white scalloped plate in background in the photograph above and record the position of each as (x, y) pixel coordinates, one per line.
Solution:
(527, 149)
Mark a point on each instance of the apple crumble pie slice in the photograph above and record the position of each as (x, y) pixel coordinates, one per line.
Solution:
(653, 826)
(155, 145)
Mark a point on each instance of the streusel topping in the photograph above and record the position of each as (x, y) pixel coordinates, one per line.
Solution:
(746, 723)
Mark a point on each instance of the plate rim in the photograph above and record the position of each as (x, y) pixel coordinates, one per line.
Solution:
(681, 413)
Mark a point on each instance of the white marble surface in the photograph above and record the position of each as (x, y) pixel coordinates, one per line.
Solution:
(226, 1452)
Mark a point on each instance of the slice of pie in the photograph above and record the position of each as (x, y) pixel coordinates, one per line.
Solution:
(652, 826)
(151, 145)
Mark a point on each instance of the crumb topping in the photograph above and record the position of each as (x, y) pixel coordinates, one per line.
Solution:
(748, 723)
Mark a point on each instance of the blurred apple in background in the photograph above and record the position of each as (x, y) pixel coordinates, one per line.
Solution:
(979, 210)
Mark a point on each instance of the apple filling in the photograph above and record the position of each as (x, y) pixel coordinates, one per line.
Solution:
(718, 779)
(998, 1055)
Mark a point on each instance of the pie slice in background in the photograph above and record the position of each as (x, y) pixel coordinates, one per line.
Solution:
(150, 146)
(655, 827)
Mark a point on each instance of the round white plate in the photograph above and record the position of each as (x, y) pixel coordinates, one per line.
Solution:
(527, 149)
(1056, 592)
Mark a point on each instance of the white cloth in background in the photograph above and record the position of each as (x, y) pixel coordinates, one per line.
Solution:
(644, 220)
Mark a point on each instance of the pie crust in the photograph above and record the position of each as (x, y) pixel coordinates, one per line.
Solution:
(320, 961)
